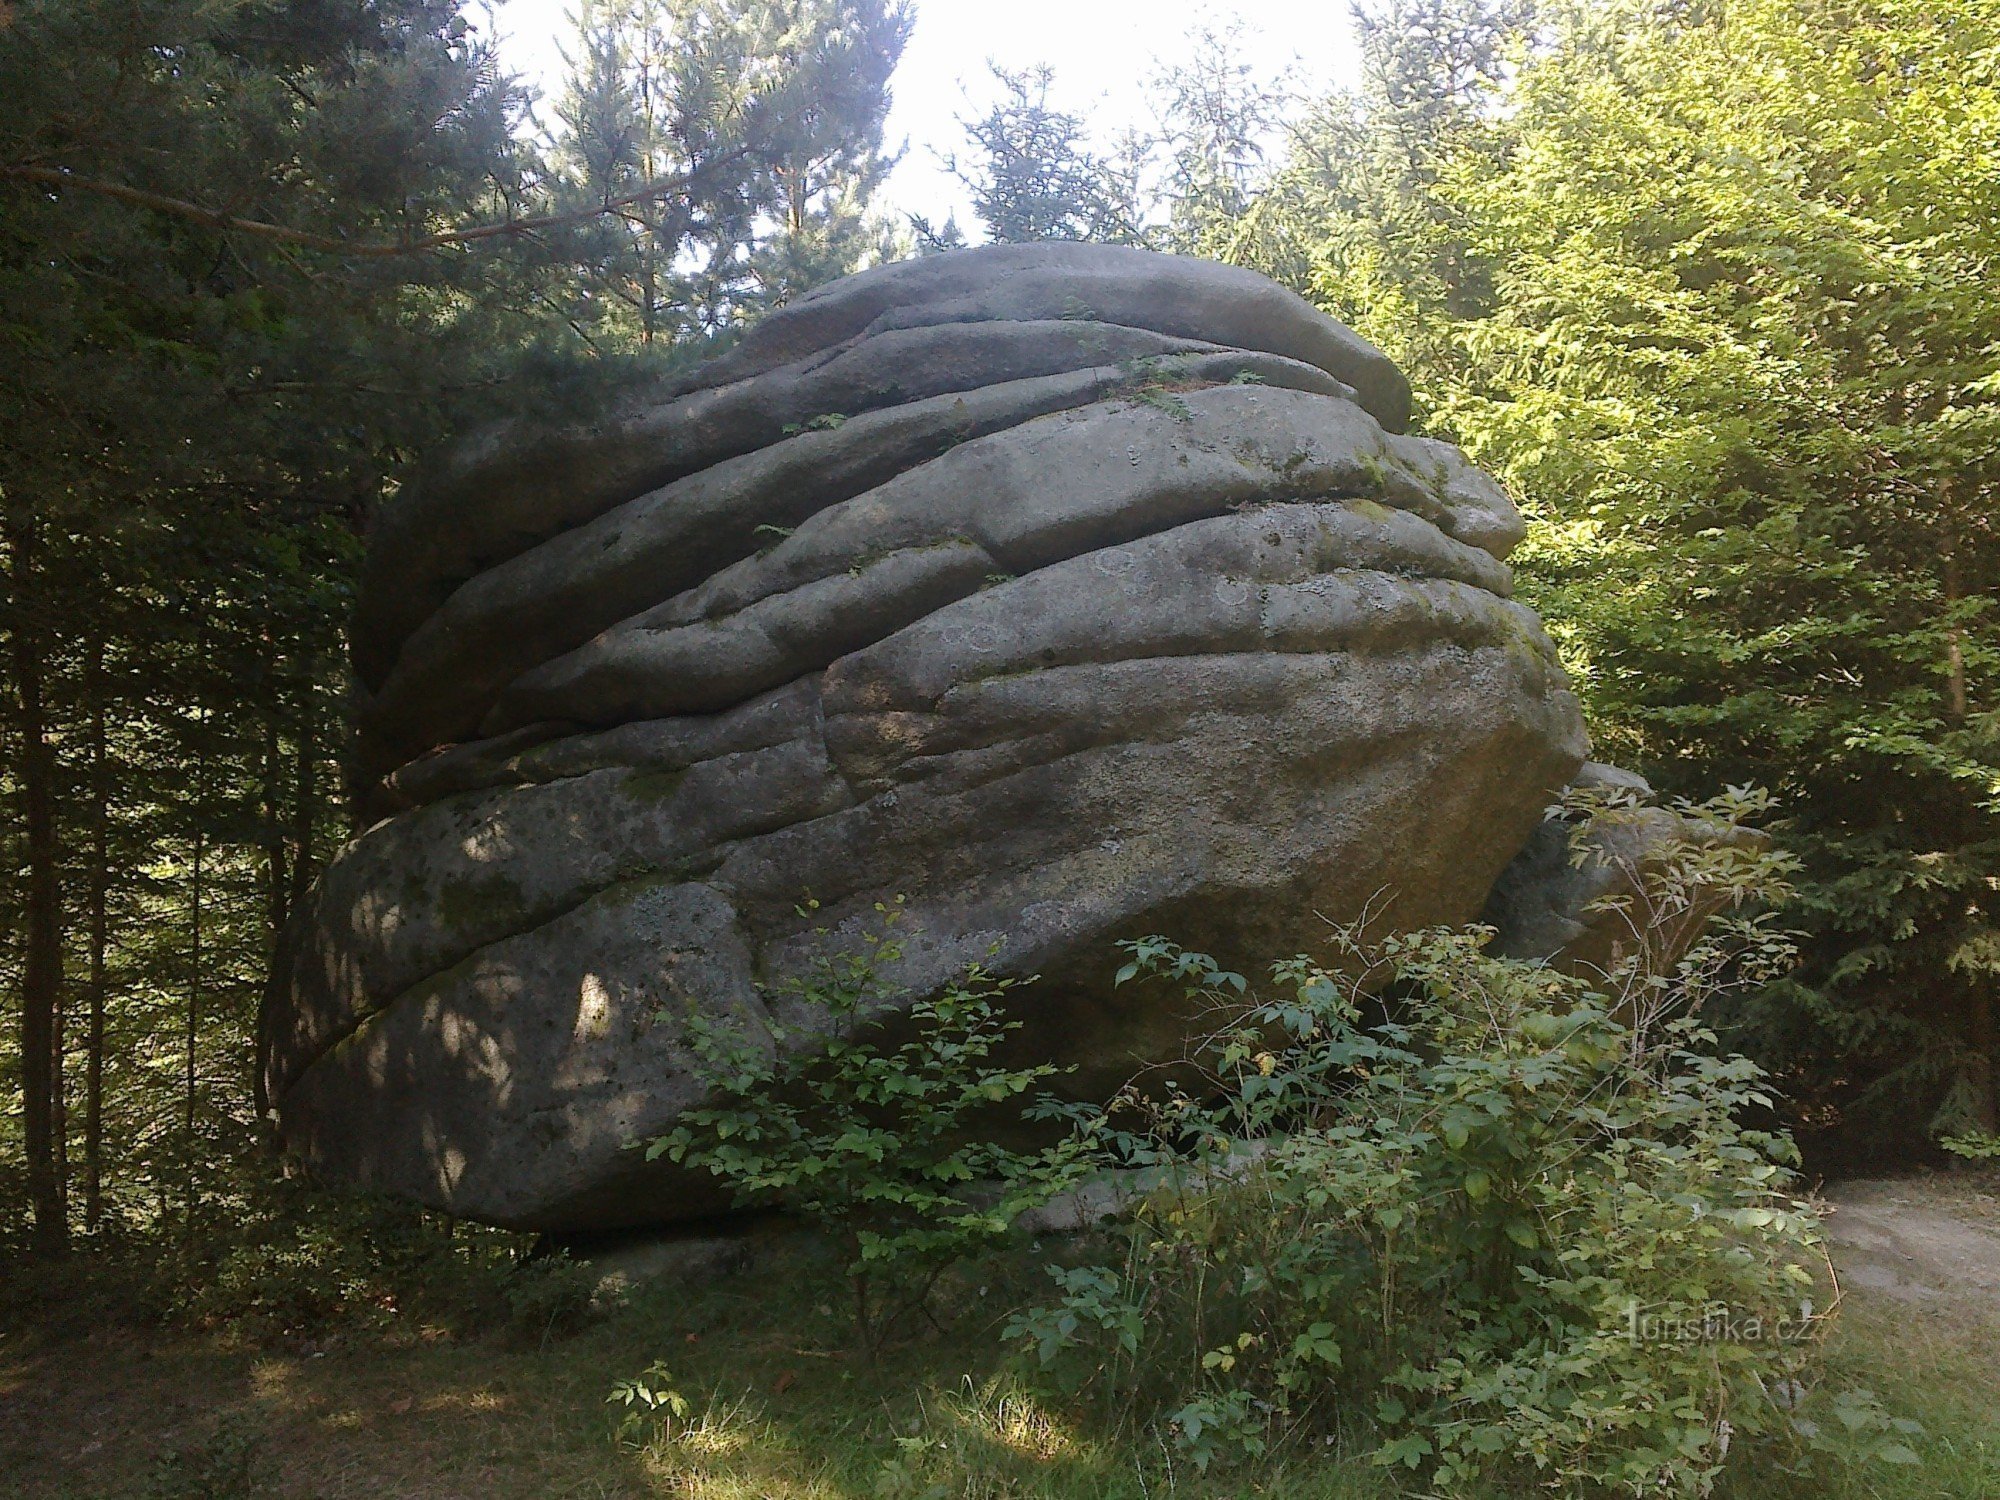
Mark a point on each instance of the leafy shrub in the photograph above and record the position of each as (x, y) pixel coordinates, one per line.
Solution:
(1520, 1231)
(1973, 1145)
(303, 1263)
(648, 1407)
(549, 1296)
(221, 1466)
(871, 1129)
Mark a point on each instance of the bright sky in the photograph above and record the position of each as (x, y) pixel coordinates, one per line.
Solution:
(1102, 51)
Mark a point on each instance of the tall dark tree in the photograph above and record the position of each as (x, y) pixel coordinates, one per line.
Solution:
(1034, 172)
(779, 105)
(1744, 354)
(1217, 122)
(1357, 216)
(214, 359)
(1707, 284)
(209, 355)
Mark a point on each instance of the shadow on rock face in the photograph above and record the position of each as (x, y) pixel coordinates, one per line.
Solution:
(1579, 896)
(1070, 593)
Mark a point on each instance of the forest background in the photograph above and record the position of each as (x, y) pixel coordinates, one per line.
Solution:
(1710, 283)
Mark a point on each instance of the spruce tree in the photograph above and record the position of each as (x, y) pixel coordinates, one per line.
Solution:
(1035, 174)
(1741, 358)
(251, 254)
(254, 256)
(1356, 216)
(779, 105)
(1216, 121)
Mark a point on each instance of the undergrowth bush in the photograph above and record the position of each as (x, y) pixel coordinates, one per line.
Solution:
(221, 1465)
(1519, 1232)
(1973, 1146)
(867, 1123)
(308, 1264)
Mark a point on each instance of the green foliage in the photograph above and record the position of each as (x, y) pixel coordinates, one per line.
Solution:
(1188, 185)
(872, 1120)
(777, 106)
(1499, 1223)
(215, 362)
(221, 1466)
(1697, 925)
(1973, 1147)
(549, 1296)
(1522, 1223)
(775, 1412)
(1741, 320)
(1216, 119)
(1707, 286)
(648, 1407)
(1353, 217)
(195, 417)
(1164, 398)
(1035, 175)
(305, 1265)
(831, 421)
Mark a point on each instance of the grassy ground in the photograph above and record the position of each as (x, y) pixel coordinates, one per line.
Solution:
(777, 1409)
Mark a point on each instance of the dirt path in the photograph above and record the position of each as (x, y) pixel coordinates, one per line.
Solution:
(1925, 1240)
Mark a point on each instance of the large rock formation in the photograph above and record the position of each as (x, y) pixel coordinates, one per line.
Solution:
(1072, 593)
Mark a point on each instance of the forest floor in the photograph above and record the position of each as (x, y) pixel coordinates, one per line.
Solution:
(778, 1412)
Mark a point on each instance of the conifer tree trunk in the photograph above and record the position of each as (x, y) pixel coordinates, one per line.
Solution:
(1979, 1016)
(59, 1093)
(41, 966)
(305, 805)
(1953, 592)
(193, 1025)
(1985, 1097)
(100, 876)
(277, 878)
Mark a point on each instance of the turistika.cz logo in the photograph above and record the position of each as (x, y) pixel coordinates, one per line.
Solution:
(1718, 1323)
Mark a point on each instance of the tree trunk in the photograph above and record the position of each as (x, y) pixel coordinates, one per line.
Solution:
(1955, 640)
(198, 808)
(59, 1094)
(1979, 1038)
(100, 877)
(42, 946)
(305, 805)
(1979, 1017)
(191, 1032)
(1953, 592)
(649, 291)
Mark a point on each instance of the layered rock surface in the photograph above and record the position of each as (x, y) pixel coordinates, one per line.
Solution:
(1071, 593)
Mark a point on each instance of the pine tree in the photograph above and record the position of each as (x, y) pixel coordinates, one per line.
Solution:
(1742, 357)
(1216, 121)
(1034, 173)
(1707, 285)
(214, 361)
(779, 104)
(1356, 217)
(211, 356)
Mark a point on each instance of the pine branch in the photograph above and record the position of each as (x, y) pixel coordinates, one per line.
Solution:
(683, 183)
